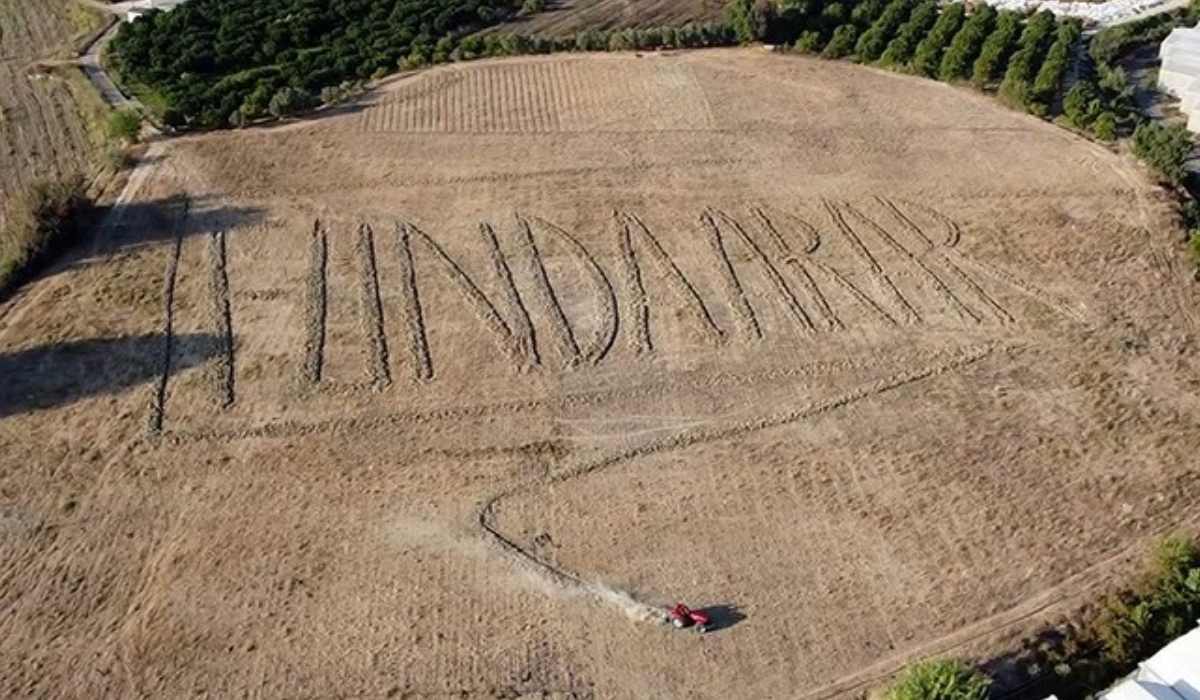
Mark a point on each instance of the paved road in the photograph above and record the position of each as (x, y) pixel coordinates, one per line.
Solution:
(90, 60)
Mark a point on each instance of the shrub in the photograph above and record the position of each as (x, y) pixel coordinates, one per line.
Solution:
(1081, 105)
(1164, 148)
(1017, 87)
(928, 54)
(1054, 67)
(865, 12)
(530, 7)
(833, 15)
(1194, 246)
(749, 18)
(1135, 626)
(939, 680)
(1105, 127)
(960, 57)
(1130, 627)
(290, 100)
(842, 42)
(900, 49)
(124, 125)
(809, 42)
(590, 40)
(1108, 44)
(41, 220)
(996, 49)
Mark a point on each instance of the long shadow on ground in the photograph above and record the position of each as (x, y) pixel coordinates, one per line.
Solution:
(54, 375)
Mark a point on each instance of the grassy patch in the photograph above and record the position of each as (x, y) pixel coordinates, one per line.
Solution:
(85, 19)
(941, 679)
(92, 110)
(40, 221)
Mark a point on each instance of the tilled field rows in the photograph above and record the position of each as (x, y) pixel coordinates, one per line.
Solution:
(546, 97)
(41, 132)
(28, 29)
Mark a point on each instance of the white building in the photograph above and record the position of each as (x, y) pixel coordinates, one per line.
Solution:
(1179, 74)
(134, 10)
(1171, 674)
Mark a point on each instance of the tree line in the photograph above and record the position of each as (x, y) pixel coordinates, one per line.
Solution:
(1024, 59)
(208, 62)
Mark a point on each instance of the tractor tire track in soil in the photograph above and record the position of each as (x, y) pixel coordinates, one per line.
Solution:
(644, 391)
(953, 231)
(315, 305)
(784, 251)
(1002, 314)
(747, 320)
(628, 224)
(787, 299)
(222, 319)
(564, 335)
(1019, 283)
(905, 220)
(414, 321)
(506, 342)
(158, 397)
(606, 332)
(948, 296)
(371, 314)
(525, 332)
(876, 270)
(560, 576)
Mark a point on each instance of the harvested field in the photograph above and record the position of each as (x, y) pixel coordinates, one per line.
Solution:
(445, 390)
(50, 120)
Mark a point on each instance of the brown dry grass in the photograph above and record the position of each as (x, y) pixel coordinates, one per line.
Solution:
(51, 121)
(887, 367)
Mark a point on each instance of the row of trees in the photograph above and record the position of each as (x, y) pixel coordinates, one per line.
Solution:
(1027, 59)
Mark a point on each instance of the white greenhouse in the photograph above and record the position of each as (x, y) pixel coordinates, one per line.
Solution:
(1180, 71)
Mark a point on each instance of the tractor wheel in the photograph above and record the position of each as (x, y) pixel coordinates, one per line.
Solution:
(677, 622)
(701, 628)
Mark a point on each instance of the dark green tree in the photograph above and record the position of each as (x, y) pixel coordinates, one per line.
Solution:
(900, 49)
(928, 54)
(841, 44)
(959, 58)
(874, 41)
(989, 66)
(1165, 148)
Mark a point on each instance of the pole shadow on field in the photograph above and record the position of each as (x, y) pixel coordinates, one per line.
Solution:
(151, 221)
(102, 232)
(722, 617)
(54, 375)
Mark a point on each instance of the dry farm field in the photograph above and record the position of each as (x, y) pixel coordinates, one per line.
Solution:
(436, 395)
(50, 120)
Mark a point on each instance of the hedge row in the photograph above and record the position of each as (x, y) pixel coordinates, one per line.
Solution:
(1029, 57)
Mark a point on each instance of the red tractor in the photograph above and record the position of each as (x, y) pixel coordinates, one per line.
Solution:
(682, 616)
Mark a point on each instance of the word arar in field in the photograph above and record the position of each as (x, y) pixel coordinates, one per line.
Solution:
(898, 265)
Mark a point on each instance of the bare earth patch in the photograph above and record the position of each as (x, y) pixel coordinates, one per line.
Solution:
(407, 400)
